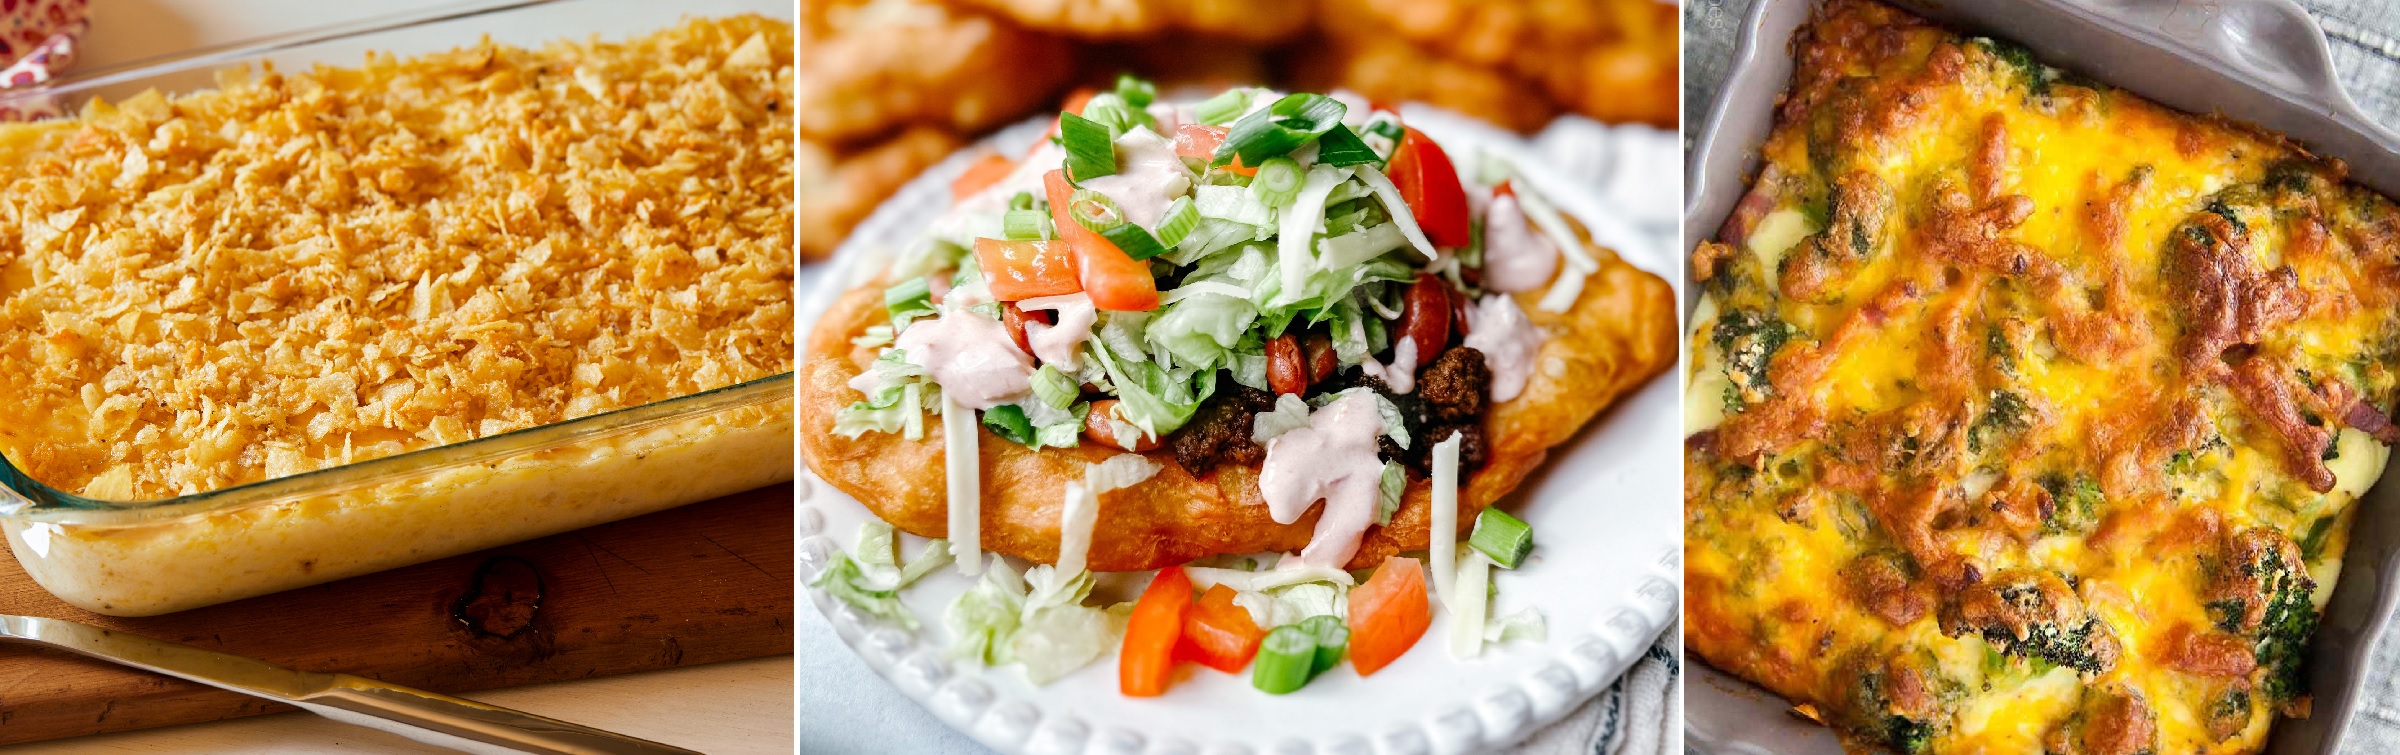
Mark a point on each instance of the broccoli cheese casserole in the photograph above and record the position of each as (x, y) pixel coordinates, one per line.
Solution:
(297, 271)
(2027, 415)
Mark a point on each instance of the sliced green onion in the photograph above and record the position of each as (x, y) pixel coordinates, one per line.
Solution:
(1223, 108)
(1091, 151)
(1054, 387)
(1094, 211)
(1022, 201)
(1295, 120)
(1180, 218)
(1278, 182)
(1286, 659)
(1339, 147)
(1505, 538)
(907, 300)
(1136, 91)
(1332, 636)
(1386, 128)
(1009, 422)
(1108, 111)
(1135, 242)
(1025, 225)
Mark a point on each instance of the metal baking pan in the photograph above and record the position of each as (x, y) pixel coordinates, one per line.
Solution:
(2262, 62)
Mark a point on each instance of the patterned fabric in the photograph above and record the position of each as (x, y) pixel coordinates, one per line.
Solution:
(1641, 714)
(37, 41)
(2365, 36)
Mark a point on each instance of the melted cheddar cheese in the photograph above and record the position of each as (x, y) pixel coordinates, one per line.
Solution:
(2028, 415)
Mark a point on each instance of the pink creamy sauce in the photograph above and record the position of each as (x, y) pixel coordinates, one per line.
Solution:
(1401, 374)
(1332, 459)
(1515, 256)
(1510, 343)
(1149, 177)
(970, 356)
(1060, 344)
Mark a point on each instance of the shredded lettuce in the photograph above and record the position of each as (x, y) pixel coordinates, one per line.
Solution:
(1290, 413)
(1397, 206)
(1296, 229)
(935, 556)
(878, 548)
(1359, 246)
(1301, 601)
(845, 581)
(1054, 641)
(1147, 398)
(1524, 624)
(1389, 490)
(908, 300)
(876, 335)
(896, 398)
(983, 619)
(924, 258)
(1232, 204)
(1201, 328)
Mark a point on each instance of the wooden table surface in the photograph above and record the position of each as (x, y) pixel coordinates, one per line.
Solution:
(734, 707)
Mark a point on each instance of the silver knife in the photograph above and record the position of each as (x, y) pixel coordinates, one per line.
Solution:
(434, 719)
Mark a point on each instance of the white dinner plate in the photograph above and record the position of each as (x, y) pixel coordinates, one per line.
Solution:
(1606, 572)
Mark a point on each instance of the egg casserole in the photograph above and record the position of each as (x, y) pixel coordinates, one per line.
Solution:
(2026, 415)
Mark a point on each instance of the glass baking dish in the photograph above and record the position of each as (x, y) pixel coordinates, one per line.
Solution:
(140, 558)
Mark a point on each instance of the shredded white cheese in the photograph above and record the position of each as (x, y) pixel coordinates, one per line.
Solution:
(1443, 544)
(963, 462)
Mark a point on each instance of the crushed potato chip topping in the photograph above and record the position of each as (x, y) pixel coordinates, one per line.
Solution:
(297, 271)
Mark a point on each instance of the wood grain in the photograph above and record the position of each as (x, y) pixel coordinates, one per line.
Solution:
(703, 583)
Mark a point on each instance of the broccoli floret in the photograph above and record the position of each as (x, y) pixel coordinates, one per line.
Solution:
(2263, 593)
(2283, 636)
(1907, 735)
(2007, 413)
(2049, 643)
(1884, 722)
(2074, 504)
(2029, 72)
(2034, 615)
(1749, 340)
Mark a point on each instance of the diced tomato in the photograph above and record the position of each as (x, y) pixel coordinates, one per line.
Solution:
(1146, 663)
(1429, 184)
(1219, 634)
(1014, 318)
(980, 176)
(1387, 614)
(1116, 282)
(1097, 428)
(1198, 141)
(1021, 270)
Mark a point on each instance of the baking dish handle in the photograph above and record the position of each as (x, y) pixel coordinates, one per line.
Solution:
(2274, 43)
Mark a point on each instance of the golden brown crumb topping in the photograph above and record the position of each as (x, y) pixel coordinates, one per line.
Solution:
(297, 271)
